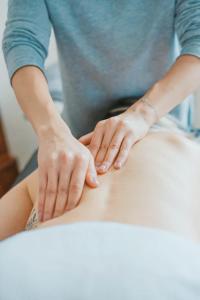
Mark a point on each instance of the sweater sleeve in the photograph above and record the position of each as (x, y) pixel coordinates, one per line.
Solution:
(26, 35)
(187, 26)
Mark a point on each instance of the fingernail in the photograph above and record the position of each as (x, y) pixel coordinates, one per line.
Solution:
(118, 164)
(97, 164)
(94, 179)
(103, 167)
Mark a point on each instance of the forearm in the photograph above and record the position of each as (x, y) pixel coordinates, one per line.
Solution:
(180, 81)
(33, 95)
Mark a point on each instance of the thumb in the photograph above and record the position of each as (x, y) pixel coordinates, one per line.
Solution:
(91, 176)
(86, 139)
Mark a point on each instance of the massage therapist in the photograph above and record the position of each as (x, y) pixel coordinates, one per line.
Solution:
(107, 50)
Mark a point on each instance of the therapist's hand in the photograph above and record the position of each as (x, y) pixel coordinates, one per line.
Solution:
(112, 139)
(64, 166)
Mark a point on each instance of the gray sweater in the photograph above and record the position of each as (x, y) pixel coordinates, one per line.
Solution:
(108, 49)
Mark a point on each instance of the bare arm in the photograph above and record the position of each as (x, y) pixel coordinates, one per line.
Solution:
(55, 143)
(33, 95)
(119, 134)
(64, 163)
(180, 81)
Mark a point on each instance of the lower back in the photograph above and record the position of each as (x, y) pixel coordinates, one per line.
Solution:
(157, 187)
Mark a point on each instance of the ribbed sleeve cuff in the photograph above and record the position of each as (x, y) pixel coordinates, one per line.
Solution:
(192, 50)
(23, 55)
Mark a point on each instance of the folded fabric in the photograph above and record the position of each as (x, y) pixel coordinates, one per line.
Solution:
(99, 260)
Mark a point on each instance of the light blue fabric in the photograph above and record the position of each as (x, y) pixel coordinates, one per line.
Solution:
(107, 49)
(98, 261)
(54, 82)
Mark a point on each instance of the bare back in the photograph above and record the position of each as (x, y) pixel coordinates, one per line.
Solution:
(157, 187)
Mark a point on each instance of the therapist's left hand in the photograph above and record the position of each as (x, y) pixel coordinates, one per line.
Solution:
(112, 139)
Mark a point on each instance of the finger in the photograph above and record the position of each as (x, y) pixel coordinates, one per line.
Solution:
(42, 191)
(96, 139)
(51, 191)
(91, 176)
(110, 128)
(63, 188)
(113, 150)
(77, 182)
(86, 139)
(124, 151)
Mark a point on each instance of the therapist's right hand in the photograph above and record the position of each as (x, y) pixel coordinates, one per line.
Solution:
(64, 165)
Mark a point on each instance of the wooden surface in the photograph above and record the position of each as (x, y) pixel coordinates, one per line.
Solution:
(3, 147)
(8, 165)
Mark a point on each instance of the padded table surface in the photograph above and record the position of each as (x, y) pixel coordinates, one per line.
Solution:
(99, 260)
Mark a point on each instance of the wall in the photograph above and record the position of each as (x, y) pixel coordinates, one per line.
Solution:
(20, 136)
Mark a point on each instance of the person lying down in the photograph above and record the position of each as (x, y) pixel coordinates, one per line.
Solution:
(158, 187)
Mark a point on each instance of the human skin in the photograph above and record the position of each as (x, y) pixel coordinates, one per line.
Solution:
(56, 142)
(57, 146)
(158, 187)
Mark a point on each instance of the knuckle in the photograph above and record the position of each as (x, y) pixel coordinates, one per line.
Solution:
(41, 189)
(82, 156)
(54, 156)
(75, 187)
(63, 156)
(112, 121)
(122, 123)
(51, 162)
(100, 124)
(114, 146)
(130, 132)
(104, 147)
(93, 146)
(63, 189)
(70, 156)
(51, 191)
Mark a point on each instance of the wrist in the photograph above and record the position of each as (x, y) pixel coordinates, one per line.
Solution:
(145, 110)
(53, 127)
